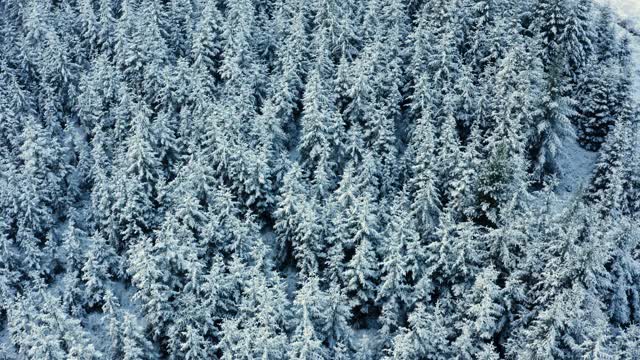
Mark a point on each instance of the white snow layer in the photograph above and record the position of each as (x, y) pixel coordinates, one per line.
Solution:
(627, 9)
(576, 167)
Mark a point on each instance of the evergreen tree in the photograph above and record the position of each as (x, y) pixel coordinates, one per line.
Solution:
(337, 317)
(240, 65)
(427, 336)
(306, 343)
(457, 254)
(322, 128)
(504, 174)
(627, 344)
(552, 129)
(292, 57)
(296, 225)
(605, 43)
(465, 188)
(577, 35)
(562, 247)
(139, 170)
(111, 320)
(557, 107)
(426, 200)
(361, 273)
(597, 106)
(135, 345)
(449, 156)
(258, 329)
(612, 181)
(401, 267)
(206, 44)
(485, 316)
(100, 265)
(624, 269)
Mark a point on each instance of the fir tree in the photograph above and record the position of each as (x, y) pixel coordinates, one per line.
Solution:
(297, 226)
(426, 200)
(597, 105)
(322, 131)
(206, 44)
(135, 345)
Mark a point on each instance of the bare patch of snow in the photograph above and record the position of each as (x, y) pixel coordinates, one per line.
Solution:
(576, 167)
(627, 9)
(291, 282)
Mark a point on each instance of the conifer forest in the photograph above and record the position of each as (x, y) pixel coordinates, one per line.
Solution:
(319, 180)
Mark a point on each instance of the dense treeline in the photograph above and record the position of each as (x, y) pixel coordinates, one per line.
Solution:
(315, 179)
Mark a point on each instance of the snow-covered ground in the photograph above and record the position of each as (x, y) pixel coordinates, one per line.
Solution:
(577, 165)
(627, 9)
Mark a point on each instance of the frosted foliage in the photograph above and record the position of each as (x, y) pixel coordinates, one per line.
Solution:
(334, 179)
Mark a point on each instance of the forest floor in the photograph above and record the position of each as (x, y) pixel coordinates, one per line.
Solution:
(576, 165)
(626, 9)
